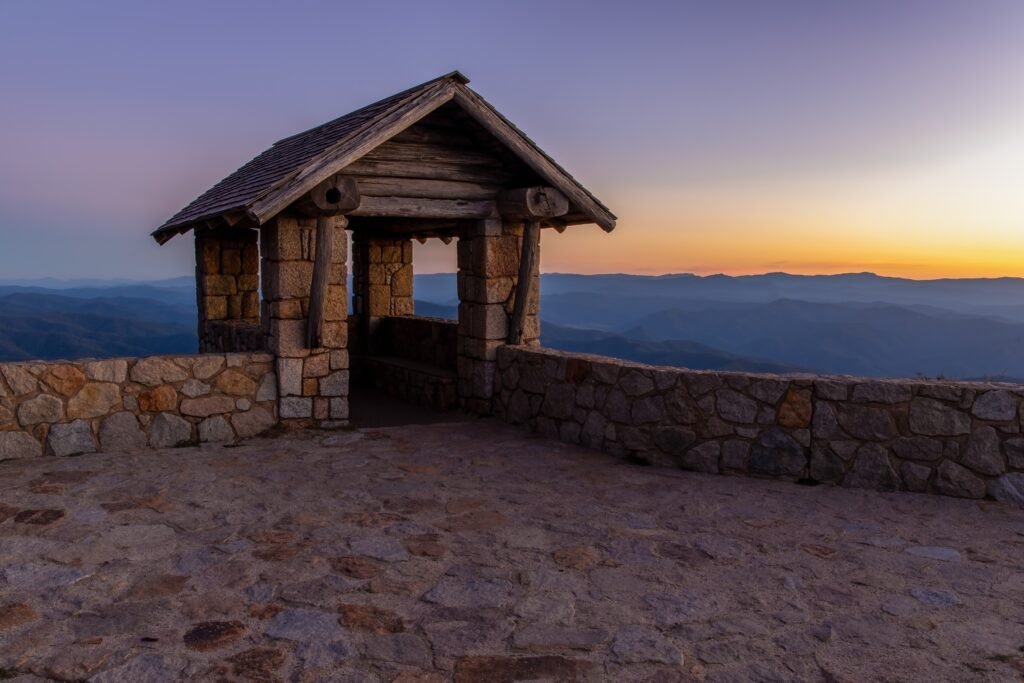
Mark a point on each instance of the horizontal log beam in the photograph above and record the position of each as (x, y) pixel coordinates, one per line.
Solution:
(417, 207)
(434, 171)
(424, 188)
(333, 197)
(532, 203)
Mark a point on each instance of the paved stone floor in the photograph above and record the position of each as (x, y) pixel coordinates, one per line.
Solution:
(474, 552)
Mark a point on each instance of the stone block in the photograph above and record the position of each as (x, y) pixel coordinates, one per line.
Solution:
(234, 383)
(880, 392)
(867, 422)
(401, 281)
(65, 380)
(121, 432)
(207, 366)
(41, 409)
(795, 411)
(933, 418)
(778, 454)
(219, 285)
(95, 400)
(702, 458)
(288, 338)
(231, 261)
(1008, 488)
(19, 379)
(954, 480)
(252, 422)
(215, 308)
(156, 371)
(735, 407)
(339, 408)
(207, 406)
(193, 388)
(872, 470)
(160, 400)
(915, 476)
(169, 431)
(983, 453)
(215, 429)
(19, 445)
(335, 335)
(289, 372)
(267, 390)
(290, 280)
(251, 305)
(335, 384)
(115, 371)
(998, 406)
(72, 438)
(293, 407)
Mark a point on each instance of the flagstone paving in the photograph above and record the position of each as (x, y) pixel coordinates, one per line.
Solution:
(474, 552)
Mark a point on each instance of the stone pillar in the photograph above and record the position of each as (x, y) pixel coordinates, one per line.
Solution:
(312, 383)
(488, 256)
(227, 289)
(382, 278)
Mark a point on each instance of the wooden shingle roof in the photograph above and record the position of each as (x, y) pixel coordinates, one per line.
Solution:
(268, 183)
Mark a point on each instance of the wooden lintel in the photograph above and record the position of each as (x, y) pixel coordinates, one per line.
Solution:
(417, 207)
(532, 203)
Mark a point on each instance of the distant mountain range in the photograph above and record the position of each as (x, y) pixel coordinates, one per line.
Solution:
(852, 324)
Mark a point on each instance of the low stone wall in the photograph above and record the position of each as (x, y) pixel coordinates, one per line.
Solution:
(69, 408)
(412, 382)
(957, 439)
(432, 341)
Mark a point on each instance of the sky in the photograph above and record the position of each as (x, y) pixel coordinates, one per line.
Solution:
(729, 136)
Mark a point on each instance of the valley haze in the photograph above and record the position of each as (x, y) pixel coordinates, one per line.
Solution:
(856, 323)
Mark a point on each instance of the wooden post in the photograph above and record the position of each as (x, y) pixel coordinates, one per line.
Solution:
(524, 287)
(333, 197)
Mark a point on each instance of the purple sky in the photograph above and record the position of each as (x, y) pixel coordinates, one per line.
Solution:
(113, 115)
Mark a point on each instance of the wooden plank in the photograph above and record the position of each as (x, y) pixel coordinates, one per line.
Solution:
(373, 133)
(416, 207)
(428, 189)
(429, 153)
(524, 287)
(525, 150)
(434, 171)
(434, 136)
(321, 276)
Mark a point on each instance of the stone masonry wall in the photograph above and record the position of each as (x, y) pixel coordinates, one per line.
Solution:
(227, 290)
(956, 439)
(74, 407)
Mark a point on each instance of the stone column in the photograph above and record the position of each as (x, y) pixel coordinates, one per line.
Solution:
(488, 256)
(382, 280)
(312, 383)
(227, 289)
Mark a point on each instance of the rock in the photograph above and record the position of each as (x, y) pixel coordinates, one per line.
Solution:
(867, 423)
(933, 418)
(16, 614)
(234, 383)
(881, 392)
(995, 405)
(635, 382)
(19, 445)
(94, 400)
(776, 453)
(206, 366)
(121, 432)
(735, 456)
(541, 637)
(983, 454)
(252, 422)
(824, 424)
(41, 409)
(795, 411)
(1015, 453)
(934, 552)
(295, 407)
(559, 401)
(370, 618)
(826, 465)
(470, 593)
(917, 448)
(1008, 488)
(735, 407)
(257, 664)
(915, 476)
(66, 380)
(163, 399)
(73, 438)
(155, 371)
(112, 371)
(955, 480)
(211, 635)
(215, 429)
(382, 548)
(267, 390)
(148, 667)
(872, 470)
(933, 598)
(648, 409)
(490, 669)
(335, 384)
(207, 406)
(768, 390)
(636, 644)
(19, 379)
(399, 648)
(169, 431)
(702, 458)
(303, 625)
(193, 388)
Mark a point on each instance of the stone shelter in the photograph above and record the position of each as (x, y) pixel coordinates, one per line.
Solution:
(434, 161)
